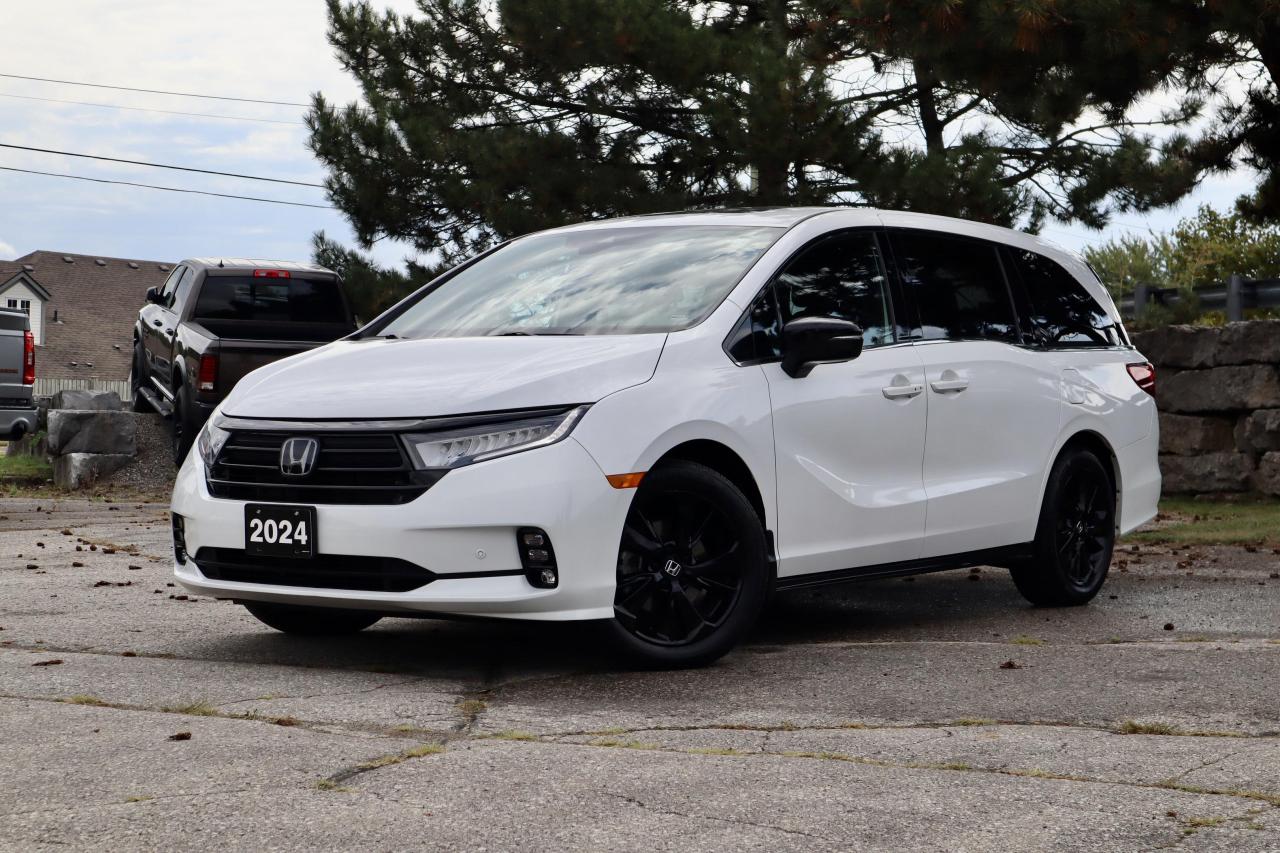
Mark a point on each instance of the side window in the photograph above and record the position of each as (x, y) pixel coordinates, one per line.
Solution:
(1061, 313)
(957, 285)
(178, 299)
(842, 277)
(170, 285)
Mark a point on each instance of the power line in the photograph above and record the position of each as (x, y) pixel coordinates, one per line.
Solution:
(152, 110)
(166, 189)
(155, 91)
(161, 165)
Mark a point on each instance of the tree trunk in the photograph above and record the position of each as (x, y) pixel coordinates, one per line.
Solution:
(930, 123)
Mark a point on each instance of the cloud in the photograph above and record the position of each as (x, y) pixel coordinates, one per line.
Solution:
(7, 252)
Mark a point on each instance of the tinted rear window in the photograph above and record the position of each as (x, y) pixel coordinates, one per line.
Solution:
(957, 285)
(270, 300)
(1063, 313)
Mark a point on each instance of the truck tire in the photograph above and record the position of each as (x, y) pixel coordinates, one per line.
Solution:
(184, 435)
(137, 376)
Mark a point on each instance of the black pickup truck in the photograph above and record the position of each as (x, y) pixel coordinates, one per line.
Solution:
(216, 319)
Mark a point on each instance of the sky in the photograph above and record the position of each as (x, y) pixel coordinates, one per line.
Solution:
(263, 49)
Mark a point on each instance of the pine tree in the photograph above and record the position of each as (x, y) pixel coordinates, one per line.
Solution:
(486, 120)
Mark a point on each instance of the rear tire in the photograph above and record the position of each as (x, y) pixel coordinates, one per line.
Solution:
(311, 621)
(1075, 535)
(183, 432)
(692, 569)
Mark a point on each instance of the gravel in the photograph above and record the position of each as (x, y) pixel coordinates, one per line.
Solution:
(152, 473)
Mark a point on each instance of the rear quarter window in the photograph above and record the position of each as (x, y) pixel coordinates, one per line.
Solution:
(1059, 311)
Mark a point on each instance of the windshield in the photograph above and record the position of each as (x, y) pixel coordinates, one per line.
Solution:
(607, 281)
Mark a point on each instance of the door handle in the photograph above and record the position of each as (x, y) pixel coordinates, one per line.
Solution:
(898, 392)
(944, 385)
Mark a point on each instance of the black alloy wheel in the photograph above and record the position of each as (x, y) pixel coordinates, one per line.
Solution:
(1075, 536)
(691, 575)
(183, 432)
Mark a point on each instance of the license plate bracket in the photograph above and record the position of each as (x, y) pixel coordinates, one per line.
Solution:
(280, 530)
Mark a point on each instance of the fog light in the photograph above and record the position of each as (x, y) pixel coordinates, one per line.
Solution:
(537, 557)
(179, 539)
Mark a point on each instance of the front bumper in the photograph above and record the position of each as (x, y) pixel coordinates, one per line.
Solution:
(13, 420)
(465, 523)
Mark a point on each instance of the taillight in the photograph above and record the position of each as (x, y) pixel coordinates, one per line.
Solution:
(271, 274)
(1145, 375)
(28, 358)
(208, 375)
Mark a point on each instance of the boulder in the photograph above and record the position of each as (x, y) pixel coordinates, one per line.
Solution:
(1208, 472)
(76, 431)
(98, 401)
(1187, 435)
(1252, 342)
(77, 470)
(1259, 431)
(1267, 478)
(1178, 346)
(1220, 389)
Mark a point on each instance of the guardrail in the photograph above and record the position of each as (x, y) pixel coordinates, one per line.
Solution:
(47, 387)
(1233, 298)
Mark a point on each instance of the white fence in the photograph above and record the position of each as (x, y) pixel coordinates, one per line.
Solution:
(47, 387)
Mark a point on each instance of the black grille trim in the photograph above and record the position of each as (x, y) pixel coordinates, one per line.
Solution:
(351, 468)
(323, 571)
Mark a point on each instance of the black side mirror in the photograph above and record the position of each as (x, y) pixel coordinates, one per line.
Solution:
(153, 295)
(811, 341)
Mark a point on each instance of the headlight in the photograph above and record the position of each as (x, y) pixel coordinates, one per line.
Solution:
(457, 447)
(209, 442)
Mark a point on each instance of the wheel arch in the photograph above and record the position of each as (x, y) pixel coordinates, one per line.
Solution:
(1097, 444)
(723, 460)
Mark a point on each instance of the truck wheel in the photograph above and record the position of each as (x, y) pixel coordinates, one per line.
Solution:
(315, 621)
(137, 370)
(183, 434)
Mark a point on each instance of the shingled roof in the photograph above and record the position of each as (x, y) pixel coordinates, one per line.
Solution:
(96, 301)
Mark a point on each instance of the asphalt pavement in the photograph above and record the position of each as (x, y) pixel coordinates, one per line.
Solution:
(934, 713)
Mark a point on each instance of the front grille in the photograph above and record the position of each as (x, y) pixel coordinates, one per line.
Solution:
(323, 571)
(350, 468)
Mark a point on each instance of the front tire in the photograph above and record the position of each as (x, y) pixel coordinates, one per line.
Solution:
(1075, 536)
(311, 621)
(692, 569)
(137, 372)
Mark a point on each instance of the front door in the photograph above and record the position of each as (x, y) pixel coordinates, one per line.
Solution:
(848, 437)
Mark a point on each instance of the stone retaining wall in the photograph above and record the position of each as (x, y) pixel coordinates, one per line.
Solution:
(89, 436)
(1218, 391)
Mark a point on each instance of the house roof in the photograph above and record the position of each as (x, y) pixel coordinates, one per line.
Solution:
(96, 300)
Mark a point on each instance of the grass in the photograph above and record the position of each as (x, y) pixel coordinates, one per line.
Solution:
(1247, 521)
(195, 709)
(84, 699)
(25, 469)
(1024, 640)
(1133, 727)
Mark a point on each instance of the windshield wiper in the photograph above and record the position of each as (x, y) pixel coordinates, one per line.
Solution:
(522, 334)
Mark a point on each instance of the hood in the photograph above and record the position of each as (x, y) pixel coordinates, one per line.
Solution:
(444, 376)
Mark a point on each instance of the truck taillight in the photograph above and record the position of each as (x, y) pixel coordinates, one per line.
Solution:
(1145, 375)
(208, 376)
(28, 358)
(271, 274)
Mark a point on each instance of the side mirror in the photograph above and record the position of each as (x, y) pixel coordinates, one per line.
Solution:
(153, 295)
(811, 341)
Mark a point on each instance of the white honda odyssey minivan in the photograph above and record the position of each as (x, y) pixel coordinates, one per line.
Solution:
(658, 421)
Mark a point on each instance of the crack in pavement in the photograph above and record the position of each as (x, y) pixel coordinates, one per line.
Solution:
(735, 821)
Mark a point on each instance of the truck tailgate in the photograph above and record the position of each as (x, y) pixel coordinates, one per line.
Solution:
(236, 358)
(12, 361)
